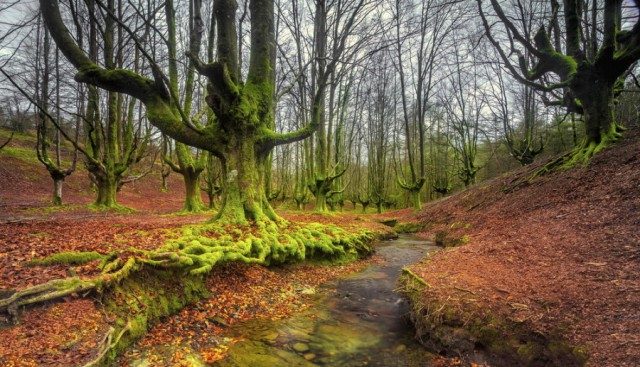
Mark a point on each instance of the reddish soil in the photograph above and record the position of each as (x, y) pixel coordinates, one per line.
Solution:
(561, 253)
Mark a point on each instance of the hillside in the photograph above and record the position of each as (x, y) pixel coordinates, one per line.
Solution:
(26, 188)
(556, 260)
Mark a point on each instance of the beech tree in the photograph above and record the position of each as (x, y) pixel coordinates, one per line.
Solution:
(464, 102)
(54, 165)
(188, 164)
(242, 132)
(334, 23)
(580, 55)
(418, 56)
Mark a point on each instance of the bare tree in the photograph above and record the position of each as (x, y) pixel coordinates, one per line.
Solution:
(579, 65)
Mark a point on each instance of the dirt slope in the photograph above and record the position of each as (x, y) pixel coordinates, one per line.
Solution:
(561, 254)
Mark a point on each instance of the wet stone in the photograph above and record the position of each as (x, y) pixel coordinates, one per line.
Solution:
(357, 321)
(300, 347)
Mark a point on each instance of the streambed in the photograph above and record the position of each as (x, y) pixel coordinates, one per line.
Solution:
(359, 320)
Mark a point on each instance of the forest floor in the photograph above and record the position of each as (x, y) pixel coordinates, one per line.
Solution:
(560, 254)
(68, 333)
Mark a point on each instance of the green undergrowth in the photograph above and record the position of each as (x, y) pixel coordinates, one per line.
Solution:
(447, 239)
(403, 227)
(24, 154)
(457, 326)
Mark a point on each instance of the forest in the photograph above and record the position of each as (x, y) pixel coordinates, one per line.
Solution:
(319, 183)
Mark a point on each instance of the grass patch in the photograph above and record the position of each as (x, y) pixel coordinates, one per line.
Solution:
(24, 154)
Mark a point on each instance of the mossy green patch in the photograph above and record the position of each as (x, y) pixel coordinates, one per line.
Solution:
(70, 258)
(446, 239)
(141, 286)
(408, 227)
(24, 154)
(116, 208)
(144, 298)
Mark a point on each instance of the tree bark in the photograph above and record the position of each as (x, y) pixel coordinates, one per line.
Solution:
(107, 186)
(57, 191)
(192, 201)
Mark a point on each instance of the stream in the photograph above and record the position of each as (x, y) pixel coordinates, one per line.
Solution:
(357, 321)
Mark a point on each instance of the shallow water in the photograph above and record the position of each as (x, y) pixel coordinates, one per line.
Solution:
(357, 321)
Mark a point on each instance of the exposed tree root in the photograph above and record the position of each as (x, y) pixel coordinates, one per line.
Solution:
(59, 288)
(51, 290)
(580, 156)
(139, 287)
(107, 346)
(197, 251)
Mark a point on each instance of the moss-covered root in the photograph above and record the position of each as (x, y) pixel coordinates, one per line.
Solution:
(49, 291)
(139, 301)
(580, 156)
(197, 251)
(59, 288)
(70, 258)
(458, 327)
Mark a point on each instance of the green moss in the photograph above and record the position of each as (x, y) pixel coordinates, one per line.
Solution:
(446, 239)
(582, 154)
(408, 227)
(146, 285)
(71, 258)
(201, 247)
(142, 299)
(116, 208)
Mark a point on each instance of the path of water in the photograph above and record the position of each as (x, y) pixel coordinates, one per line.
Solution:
(357, 321)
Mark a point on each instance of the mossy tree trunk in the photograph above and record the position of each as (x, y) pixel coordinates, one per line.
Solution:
(321, 178)
(107, 187)
(188, 166)
(193, 201)
(211, 181)
(241, 134)
(57, 191)
(415, 199)
(598, 116)
(591, 62)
